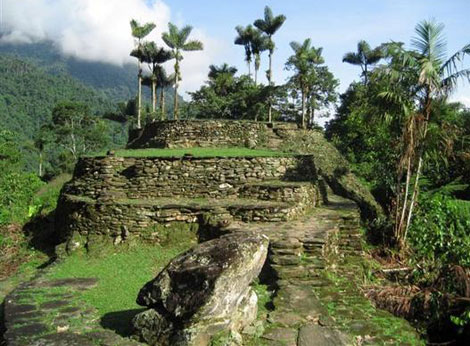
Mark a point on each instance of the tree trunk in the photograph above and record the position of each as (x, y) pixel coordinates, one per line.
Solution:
(139, 100)
(154, 96)
(413, 199)
(312, 115)
(162, 104)
(303, 109)
(400, 224)
(256, 76)
(270, 120)
(40, 163)
(175, 110)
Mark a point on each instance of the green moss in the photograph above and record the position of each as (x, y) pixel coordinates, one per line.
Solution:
(197, 152)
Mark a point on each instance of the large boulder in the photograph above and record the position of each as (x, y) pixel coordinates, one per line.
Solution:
(202, 292)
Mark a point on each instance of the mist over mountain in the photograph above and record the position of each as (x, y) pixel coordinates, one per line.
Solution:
(116, 82)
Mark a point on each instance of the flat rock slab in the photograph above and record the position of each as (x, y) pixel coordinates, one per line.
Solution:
(63, 339)
(50, 313)
(77, 283)
(315, 335)
(55, 304)
(283, 336)
(26, 330)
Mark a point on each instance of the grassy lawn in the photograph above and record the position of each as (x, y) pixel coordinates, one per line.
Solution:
(121, 275)
(197, 152)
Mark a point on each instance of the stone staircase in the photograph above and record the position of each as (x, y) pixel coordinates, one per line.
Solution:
(302, 255)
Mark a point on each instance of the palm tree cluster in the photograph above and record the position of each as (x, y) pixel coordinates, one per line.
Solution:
(154, 56)
(315, 82)
(257, 39)
(432, 77)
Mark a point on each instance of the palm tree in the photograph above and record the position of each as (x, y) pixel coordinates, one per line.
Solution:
(259, 43)
(164, 81)
(177, 39)
(222, 77)
(139, 32)
(269, 25)
(244, 38)
(217, 71)
(364, 57)
(155, 56)
(305, 57)
(433, 77)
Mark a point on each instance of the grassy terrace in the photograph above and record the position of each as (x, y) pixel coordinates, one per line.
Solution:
(196, 152)
(121, 274)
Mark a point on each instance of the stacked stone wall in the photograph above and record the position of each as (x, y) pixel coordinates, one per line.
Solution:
(145, 178)
(208, 133)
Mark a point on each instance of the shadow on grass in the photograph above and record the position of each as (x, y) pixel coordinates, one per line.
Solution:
(120, 321)
(41, 233)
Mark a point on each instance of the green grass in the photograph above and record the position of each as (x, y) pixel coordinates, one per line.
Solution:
(121, 275)
(197, 152)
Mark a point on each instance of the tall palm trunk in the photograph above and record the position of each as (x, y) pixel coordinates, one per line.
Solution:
(257, 65)
(162, 104)
(414, 197)
(154, 95)
(304, 96)
(177, 77)
(139, 99)
(270, 84)
(176, 102)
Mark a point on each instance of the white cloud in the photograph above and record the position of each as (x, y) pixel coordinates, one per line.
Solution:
(98, 30)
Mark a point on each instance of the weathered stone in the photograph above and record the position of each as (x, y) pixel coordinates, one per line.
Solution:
(55, 304)
(284, 336)
(203, 291)
(63, 339)
(315, 335)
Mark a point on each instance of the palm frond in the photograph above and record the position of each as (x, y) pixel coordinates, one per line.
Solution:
(352, 58)
(450, 66)
(184, 34)
(450, 83)
(193, 45)
(430, 40)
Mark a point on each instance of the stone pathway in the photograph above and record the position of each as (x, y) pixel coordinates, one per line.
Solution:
(49, 312)
(315, 260)
(302, 253)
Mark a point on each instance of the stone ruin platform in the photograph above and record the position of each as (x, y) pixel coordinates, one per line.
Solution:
(130, 197)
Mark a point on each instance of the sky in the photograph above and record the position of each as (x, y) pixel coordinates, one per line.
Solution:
(99, 29)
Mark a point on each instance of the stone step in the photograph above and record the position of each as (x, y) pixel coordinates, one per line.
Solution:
(287, 260)
(282, 191)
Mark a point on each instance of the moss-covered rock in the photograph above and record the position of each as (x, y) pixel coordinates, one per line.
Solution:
(203, 291)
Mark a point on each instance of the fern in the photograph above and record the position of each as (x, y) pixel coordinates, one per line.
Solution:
(460, 207)
(451, 189)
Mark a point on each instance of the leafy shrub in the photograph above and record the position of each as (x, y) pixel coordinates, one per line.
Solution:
(440, 231)
(16, 195)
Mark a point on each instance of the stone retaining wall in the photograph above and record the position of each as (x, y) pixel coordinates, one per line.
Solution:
(207, 133)
(144, 178)
(81, 219)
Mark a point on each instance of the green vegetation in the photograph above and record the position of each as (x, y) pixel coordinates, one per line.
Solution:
(121, 275)
(315, 83)
(198, 152)
(177, 40)
(139, 32)
(343, 300)
(410, 144)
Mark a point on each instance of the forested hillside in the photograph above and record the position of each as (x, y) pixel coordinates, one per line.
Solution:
(35, 78)
(28, 94)
(116, 82)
